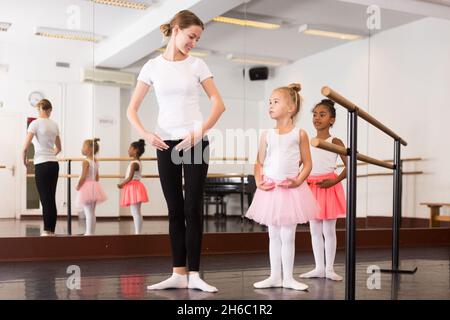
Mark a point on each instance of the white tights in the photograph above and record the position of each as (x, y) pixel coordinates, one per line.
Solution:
(137, 217)
(323, 238)
(89, 212)
(282, 254)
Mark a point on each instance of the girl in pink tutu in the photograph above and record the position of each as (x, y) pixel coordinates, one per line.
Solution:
(133, 190)
(90, 191)
(283, 198)
(327, 188)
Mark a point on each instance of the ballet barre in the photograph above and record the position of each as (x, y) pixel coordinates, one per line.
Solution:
(389, 160)
(353, 112)
(78, 159)
(351, 107)
(381, 174)
(319, 143)
(69, 175)
(2, 167)
(219, 175)
(118, 176)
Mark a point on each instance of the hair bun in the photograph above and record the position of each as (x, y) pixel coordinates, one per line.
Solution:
(166, 30)
(141, 142)
(96, 139)
(328, 102)
(296, 86)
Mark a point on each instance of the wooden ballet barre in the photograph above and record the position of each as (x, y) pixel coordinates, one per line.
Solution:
(379, 174)
(388, 160)
(350, 106)
(144, 159)
(2, 167)
(319, 143)
(118, 176)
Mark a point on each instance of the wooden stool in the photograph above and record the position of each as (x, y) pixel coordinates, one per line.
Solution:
(435, 216)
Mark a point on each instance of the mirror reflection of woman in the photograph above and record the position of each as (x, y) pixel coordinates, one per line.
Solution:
(44, 134)
(181, 136)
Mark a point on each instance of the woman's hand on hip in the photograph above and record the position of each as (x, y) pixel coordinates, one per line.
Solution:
(155, 141)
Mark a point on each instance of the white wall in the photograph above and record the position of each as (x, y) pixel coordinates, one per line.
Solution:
(408, 91)
(410, 81)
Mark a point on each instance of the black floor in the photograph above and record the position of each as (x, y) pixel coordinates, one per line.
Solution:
(233, 275)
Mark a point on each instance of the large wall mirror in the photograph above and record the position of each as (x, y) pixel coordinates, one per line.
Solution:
(84, 57)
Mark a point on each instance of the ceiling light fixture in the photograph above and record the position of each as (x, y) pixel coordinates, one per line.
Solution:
(196, 53)
(253, 60)
(247, 23)
(67, 34)
(327, 32)
(123, 4)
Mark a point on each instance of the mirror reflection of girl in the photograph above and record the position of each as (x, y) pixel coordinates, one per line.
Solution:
(327, 188)
(134, 192)
(90, 191)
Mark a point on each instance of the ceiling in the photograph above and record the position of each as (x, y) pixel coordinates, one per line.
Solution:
(119, 25)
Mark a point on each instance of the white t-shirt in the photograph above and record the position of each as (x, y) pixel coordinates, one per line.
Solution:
(177, 86)
(45, 132)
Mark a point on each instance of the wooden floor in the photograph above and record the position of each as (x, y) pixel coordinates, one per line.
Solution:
(232, 274)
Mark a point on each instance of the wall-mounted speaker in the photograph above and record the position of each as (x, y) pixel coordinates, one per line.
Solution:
(260, 73)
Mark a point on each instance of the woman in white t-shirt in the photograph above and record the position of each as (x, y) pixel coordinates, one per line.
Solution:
(44, 134)
(181, 141)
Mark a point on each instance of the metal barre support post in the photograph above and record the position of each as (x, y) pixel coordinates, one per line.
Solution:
(69, 199)
(352, 128)
(350, 259)
(397, 212)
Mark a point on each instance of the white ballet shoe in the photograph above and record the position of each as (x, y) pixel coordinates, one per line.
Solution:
(270, 282)
(294, 284)
(333, 276)
(313, 274)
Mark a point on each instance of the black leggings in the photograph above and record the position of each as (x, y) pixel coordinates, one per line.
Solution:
(185, 213)
(46, 176)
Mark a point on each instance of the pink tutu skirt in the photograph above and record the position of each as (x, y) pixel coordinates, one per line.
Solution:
(133, 192)
(331, 200)
(283, 206)
(90, 192)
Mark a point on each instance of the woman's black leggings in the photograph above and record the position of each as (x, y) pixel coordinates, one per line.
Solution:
(185, 213)
(46, 176)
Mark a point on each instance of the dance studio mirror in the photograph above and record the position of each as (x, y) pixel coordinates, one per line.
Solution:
(85, 57)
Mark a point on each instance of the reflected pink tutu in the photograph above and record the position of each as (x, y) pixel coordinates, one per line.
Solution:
(283, 206)
(91, 191)
(133, 192)
(331, 200)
